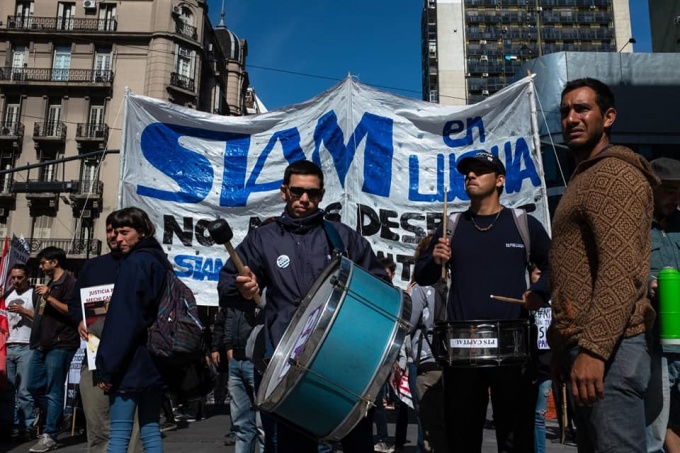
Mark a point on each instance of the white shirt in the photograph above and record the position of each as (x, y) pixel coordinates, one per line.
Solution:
(20, 326)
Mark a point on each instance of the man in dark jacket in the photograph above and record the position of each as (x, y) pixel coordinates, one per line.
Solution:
(286, 257)
(54, 341)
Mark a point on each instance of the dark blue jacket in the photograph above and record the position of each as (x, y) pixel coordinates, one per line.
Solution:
(101, 270)
(122, 358)
(287, 256)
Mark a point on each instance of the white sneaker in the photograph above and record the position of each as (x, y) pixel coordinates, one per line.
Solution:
(383, 447)
(45, 443)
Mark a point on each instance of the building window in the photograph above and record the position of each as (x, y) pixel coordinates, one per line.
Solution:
(107, 17)
(24, 14)
(19, 58)
(95, 121)
(217, 99)
(89, 175)
(42, 227)
(102, 65)
(6, 163)
(53, 123)
(66, 13)
(185, 62)
(10, 124)
(61, 63)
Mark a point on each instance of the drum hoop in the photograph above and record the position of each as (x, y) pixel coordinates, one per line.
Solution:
(291, 379)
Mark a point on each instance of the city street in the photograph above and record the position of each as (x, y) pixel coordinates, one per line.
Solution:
(207, 436)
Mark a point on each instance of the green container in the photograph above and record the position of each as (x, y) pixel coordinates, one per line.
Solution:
(669, 305)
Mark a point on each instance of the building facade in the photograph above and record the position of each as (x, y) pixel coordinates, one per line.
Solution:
(65, 67)
(473, 48)
(664, 18)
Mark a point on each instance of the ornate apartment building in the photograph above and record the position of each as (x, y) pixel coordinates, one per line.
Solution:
(65, 67)
(473, 48)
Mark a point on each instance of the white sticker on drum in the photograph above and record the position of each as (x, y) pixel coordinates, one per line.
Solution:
(463, 343)
(302, 339)
(283, 261)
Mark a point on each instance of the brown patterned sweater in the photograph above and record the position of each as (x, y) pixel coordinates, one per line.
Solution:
(600, 253)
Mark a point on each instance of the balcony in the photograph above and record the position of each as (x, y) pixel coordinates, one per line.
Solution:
(92, 133)
(74, 248)
(89, 77)
(12, 133)
(186, 30)
(49, 132)
(182, 82)
(61, 23)
(7, 197)
(88, 190)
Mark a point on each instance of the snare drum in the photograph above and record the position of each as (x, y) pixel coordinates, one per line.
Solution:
(482, 343)
(336, 353)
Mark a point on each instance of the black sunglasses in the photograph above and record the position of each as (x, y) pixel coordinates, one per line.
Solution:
(297, 192)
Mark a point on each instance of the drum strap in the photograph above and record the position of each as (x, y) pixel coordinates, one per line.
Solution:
(334, 238)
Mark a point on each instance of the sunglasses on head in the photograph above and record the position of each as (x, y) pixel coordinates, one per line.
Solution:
(297, 192)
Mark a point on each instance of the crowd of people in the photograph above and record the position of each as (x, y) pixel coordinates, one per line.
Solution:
(595, 282)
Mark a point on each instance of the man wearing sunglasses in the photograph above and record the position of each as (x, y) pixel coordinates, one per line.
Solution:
(286, 257)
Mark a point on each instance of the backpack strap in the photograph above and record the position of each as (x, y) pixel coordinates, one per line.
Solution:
(521, 219)
(334, 239)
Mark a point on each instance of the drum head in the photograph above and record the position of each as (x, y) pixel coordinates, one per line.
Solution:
(303, 335)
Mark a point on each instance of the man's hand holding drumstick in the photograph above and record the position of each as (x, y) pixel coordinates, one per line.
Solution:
(246, 283)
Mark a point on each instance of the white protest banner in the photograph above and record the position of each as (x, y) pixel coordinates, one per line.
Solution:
(386, 159)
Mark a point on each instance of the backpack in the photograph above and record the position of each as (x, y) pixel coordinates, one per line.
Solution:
(176, 332)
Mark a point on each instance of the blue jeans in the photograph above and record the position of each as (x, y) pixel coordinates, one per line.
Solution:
(48, 372)
(243, 416)
(18, 360)
(122, 413)
(617, 422)
(544, 386)
(380, 417)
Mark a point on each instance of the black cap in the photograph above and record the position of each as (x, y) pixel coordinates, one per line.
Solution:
(483, 157)
(666, 169)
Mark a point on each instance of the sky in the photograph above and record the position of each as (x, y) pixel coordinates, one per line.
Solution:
(299, 48)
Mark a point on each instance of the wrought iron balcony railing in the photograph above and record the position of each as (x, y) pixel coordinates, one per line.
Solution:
(90, 187)
(92, 131)
(182, 81)
(11, 129)
(62, 23)
(186, 30)
(78, 247)
(49, 129)
(56, 75)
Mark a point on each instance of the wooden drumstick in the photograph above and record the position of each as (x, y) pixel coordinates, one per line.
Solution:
(446, 191)
(507, 299)
(221, 233)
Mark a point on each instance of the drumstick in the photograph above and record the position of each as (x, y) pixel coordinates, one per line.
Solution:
(507, 299)
(565, 415)
(446, 191)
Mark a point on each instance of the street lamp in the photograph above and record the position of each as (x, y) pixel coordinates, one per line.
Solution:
(630, 41)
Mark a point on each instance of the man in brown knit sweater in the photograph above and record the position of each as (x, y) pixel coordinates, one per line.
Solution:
(600, 264)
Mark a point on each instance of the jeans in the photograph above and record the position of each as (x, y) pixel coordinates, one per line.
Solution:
(122, 413)
(617, 422)
(380, 417)
(544, 386)
(657, 402)
(48, 372)
(243, 416)
(16, 392)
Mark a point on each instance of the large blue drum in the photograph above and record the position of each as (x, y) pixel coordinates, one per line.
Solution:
(336, 353)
